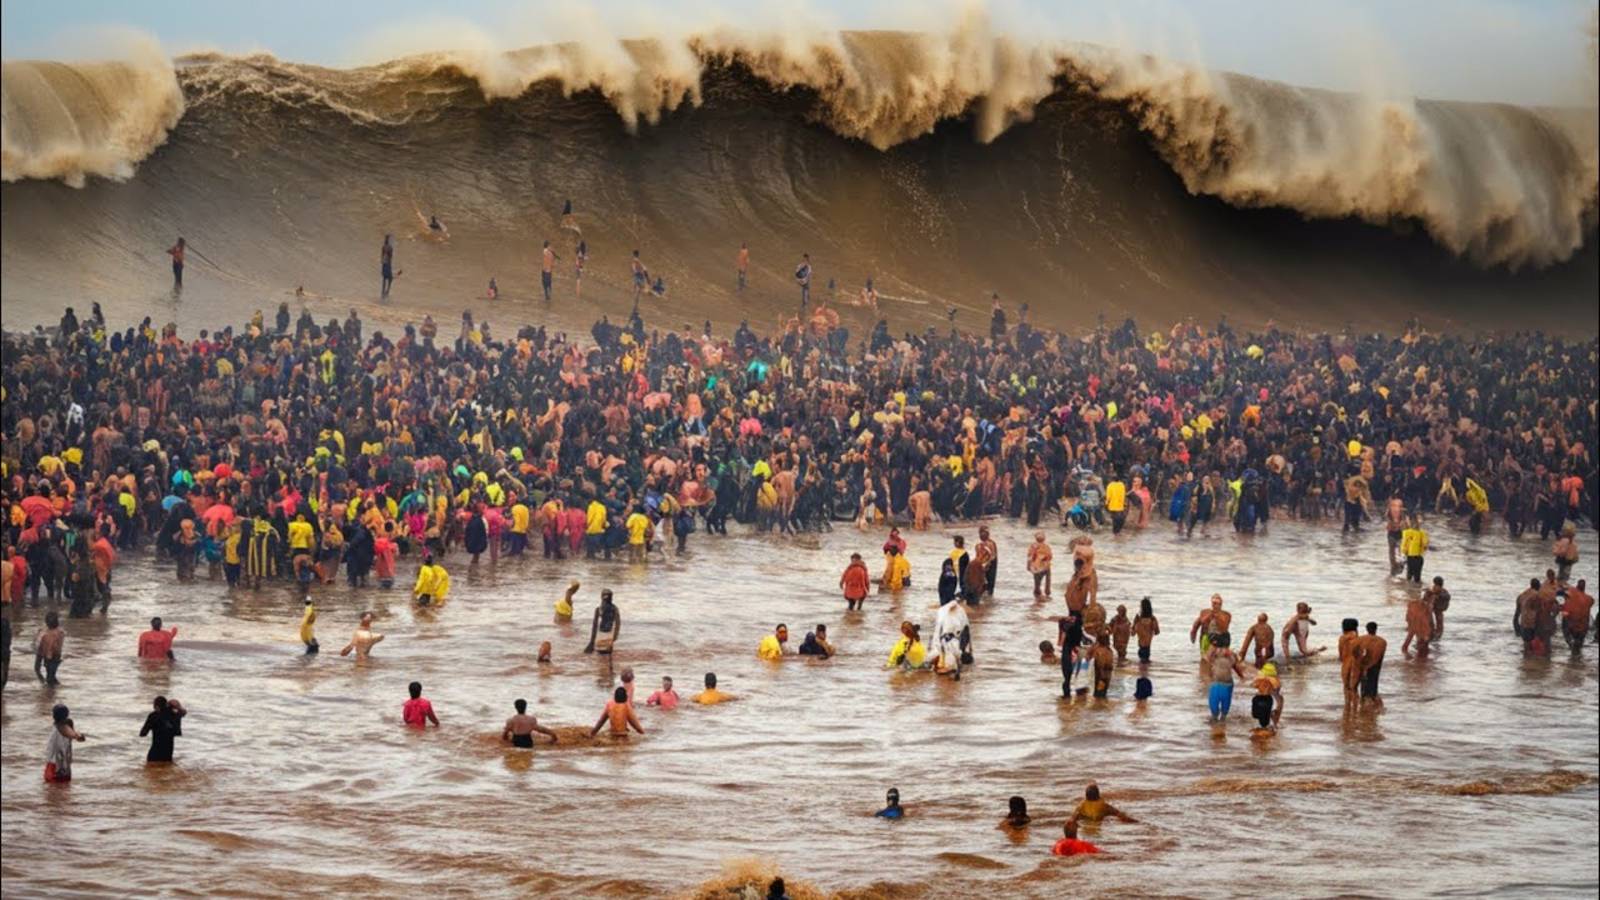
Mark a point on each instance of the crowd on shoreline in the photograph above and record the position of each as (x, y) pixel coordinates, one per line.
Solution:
(294, 449)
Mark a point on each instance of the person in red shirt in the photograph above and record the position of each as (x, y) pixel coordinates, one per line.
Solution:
(855, 581)
(1069, 845)
(155, 643)
(418, 712)
(384, 552)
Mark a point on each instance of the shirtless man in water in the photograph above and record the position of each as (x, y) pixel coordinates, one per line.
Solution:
(1259, 634)
(363, 640)
(520, 728)
(1210, 623)
(1299, 628)
(1349, 665)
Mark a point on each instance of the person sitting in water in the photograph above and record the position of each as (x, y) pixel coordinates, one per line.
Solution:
(711, 695)
(1093, 809)
(520, 728)
(1017, 818)
(893, 810)
(774, 646)
(619, 714)
(1047, 653)
(544, 652)
(1069, 845)
(437, 227)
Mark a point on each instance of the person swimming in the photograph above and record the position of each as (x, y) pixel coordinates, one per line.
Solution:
(893, 810)
(1017, 818)
(1094, 809)
(711, 695)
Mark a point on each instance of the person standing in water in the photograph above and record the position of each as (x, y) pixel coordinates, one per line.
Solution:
(605, 628)
(547, 269)
(1299, 628)
(363, 640)
(176, 251)
(417, 711)
(1145, 628)
(1438, 600)
(1039, 559)
(855, 582)
(1223, 664)
(162, 725)
(385, 264)
(892, 808)
(619, 714)
(58, 752)
(521, 727)
(1368, 651)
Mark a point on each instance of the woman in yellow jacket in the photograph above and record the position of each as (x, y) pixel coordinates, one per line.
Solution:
(433, 583)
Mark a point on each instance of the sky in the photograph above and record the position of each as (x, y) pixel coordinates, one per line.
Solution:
(1519, 51)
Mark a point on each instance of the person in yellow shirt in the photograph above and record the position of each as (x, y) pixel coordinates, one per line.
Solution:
(232, 562)
(775, 645)
(896, 571)
(564, 605)
(519, 528)
(308, 632)
(1414, 543)
(433, 583)
(301, 537)
(711, 695)
(908, 652)
(594, 528)
(638, 525)
(1117, 503)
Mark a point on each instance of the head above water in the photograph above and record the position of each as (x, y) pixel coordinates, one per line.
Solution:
(1019, 806)
(415, 688)
(59, 713)
(1091, 791)
(1372, 628)
(711, 680)
(893, 797)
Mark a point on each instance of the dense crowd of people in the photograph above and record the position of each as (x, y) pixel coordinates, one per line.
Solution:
(287, 448)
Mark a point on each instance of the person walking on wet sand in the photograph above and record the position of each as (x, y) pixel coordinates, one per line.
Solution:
(520, 728)
(619, 714)
(741, 266)
(547, 269)
(162, 726)
(363, 640)
(802, 277)
(177, 251)
(386, 265)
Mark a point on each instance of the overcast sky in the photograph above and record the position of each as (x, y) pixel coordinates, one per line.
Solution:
(1522, 51)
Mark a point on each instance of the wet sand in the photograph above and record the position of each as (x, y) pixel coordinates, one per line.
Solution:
(295, 774)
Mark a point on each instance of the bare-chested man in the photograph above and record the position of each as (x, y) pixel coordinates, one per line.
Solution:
(1299, 628)
(1368, 651)
(521, 727)
(921, 503)
(1394, 522)
(1211, 622)
(1039, 556)
(1104, 661)
(1084, 584)
(1259, 635)
(1349, 664)
(363, 640)
(1121, 628)
(1438, 600)
(1419, 626)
